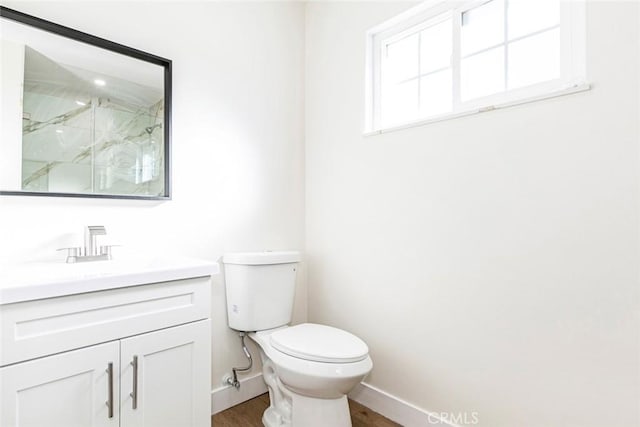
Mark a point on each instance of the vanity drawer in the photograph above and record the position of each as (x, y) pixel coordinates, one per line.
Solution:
(38, 328)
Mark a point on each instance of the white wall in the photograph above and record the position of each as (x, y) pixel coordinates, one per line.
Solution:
(490, 262)
(237, 142)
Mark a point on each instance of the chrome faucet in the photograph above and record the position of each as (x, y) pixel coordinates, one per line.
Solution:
(91, 250)
(91, 234)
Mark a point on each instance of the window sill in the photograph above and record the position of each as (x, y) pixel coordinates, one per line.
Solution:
(582, 87)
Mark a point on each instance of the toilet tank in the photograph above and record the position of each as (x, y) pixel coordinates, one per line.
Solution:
(260, 289)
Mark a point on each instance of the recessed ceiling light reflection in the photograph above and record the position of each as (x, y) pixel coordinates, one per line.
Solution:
(80, 103)
(99, 82)
(59, 131)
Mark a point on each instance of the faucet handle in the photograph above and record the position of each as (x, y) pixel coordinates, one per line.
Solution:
(74, 250)
(72, 253)
(106, 250)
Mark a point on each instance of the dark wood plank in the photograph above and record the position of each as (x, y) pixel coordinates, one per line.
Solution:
(361, 416)
(249, 414)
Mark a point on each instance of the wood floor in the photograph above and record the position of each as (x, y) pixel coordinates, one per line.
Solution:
(249, 414)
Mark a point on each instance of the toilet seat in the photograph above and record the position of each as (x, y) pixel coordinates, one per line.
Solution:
(319, 343)
(325, 380)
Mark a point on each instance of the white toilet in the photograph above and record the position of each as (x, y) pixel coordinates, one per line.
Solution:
(308, 368)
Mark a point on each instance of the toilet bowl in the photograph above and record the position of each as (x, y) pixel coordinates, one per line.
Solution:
(308, 368)
(332, 378)
(308, 378)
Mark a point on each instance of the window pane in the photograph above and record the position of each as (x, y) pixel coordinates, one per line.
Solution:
(482, 74)
(399, 103)
(527, 16)
(482, 27)
(435, 47)
(435, 93)
(400, 61)
(534, 59)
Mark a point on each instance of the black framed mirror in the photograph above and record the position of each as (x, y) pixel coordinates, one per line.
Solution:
(81, 116)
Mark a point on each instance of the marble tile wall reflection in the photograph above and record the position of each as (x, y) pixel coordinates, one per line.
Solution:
(79, 138)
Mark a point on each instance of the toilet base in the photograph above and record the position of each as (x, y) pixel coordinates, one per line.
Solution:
(310, 412)
(289, 409)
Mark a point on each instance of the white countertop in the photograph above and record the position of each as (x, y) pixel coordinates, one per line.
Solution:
(38, 280)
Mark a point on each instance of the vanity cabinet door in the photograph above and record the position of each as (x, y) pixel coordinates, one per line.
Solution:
(165, 378)
(71, 389)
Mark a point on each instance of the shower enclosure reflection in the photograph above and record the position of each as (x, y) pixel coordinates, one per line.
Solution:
(92, 121)
(79, 137)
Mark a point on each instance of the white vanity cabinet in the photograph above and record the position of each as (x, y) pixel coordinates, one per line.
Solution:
(172, 385)
(135, 356)
(68, 389)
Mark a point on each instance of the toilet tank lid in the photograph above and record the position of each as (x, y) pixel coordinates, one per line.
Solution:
(261, 258)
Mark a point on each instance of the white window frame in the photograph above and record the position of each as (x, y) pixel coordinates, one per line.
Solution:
(572, 61)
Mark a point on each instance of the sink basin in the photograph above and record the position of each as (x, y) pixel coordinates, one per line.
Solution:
(37, 280)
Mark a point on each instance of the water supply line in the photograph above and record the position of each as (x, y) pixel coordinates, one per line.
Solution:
(234, 381)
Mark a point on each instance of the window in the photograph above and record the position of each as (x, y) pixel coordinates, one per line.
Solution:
(447, 58)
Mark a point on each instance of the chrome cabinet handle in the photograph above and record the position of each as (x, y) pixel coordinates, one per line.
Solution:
(134, 393)
(110, 387)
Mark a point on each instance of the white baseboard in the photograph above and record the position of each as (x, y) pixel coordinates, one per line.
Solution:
(396, 409)
(225, 397)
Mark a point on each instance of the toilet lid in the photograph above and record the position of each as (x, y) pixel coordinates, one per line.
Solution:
(319, 343)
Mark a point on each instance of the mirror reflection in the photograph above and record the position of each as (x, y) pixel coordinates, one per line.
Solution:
(91, 121)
